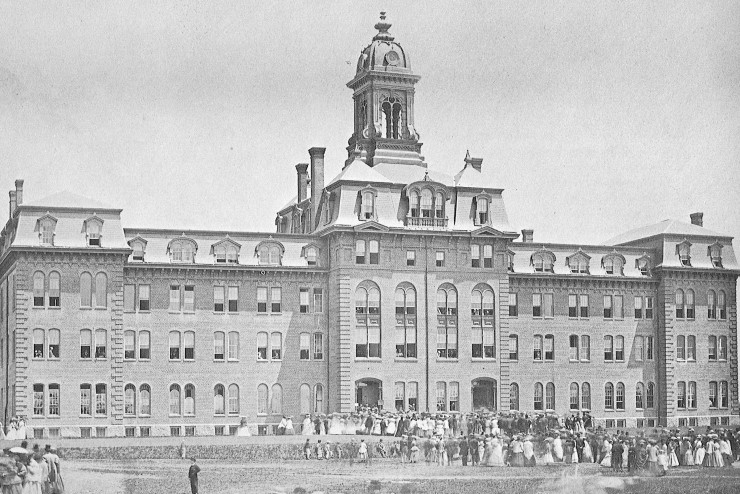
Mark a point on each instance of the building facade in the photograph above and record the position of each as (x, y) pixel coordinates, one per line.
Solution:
(392, 285)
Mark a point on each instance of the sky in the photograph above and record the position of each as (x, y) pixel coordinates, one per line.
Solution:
(595, 117)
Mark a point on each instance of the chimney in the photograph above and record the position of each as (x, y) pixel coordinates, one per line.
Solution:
(13, 203)
(317, 181)
(527, 236)
(474, 162)
(19, 191)
(302, 169)
(697, 219)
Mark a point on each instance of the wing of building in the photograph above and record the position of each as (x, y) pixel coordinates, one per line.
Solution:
(390, 285)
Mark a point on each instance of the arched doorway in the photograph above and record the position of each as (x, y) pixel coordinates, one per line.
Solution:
(369, 393)
(484, 393)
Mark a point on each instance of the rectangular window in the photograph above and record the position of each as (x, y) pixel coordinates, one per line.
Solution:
(276, 346)
(374, 251)
(53, 340)
(537, 348)
(536, 305)
(144, 345)
(400, 397)
(585, 348)
(38, 399)
(475, 255)
(101, 343)
(174, 298)
(233, 299)
(305, 346)
(583, 305)
(721, 348)
(261, 346)
(412, 391)
(513, 305)
(143, 297)
(649, 307)
(318, 300)
(619, 348)
(723, 394)
(85, 399)
(649, 341)
(218, 298)
(573, 355)
(549, 347)
(712, 348)
(691, 348)
(638, 307)
(318, 346)
(129, 345)
(549, 304)
(262, 299)
(608, 349)
(454, 397)
(101, 399)
(129, 298)
(360, 252)
(233, 345)
(441, 397)
(618, 307)
(488, 256)
(691, 395)
(85, 343)
(572, 305)
(639, 348)
(174, 345)
(513, 347)
(410, 258)
(189, 299)
(712, 394)
(218, 345)
(54, 400)
(189, 345)
(276, 294)
(303, 300)
(440, 262)
(608, 307)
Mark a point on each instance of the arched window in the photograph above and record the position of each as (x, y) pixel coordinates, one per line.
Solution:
(405, 321)
(639, 395)
(513, 347)
(414, 204)
(311, 256)
(684, 253)
(189, 407)
(484, 337)
(712, 347)
(585, 350)
(481, 210)
(276, 403)
(46, 228)
(691, 395)
(620, 396)
(270, 253)
(538, 405)
(439, 205)
(219, 400)
(54, 289)
(650, 395)
(182, 250)
(585, 396)
(613, 264)
(367, 313)
(711, 305)
(550, 396)
(233, 345)
(262, 399)
(609, 396)
(144, 345)
(129, 400)
(38, 343)
(53, 338)
(367, 210)
(305, 399)
(233, 399)
(575, 401)
(276, 346)
(85, 343)
(691, 348)
(608, 348)
(680, 347)
(139, 248)
(721, 301)
(543, 262)
(219, 340)
(721, 347)
(391, 123)
(101, 343)
(145, 400)
(129, 344)
(513, 396)
(174, 339)
(85, 290)
(680, 313)
(318, 395)
(447, 322)
(175, 405)
(101, 290)
(39, 283)
(690, 312)
(426, 203)
(261, 346)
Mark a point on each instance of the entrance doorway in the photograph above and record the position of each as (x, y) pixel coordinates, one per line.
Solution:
(484, 394)
(369, 393)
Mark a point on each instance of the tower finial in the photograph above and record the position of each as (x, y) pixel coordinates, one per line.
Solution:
(382, 26)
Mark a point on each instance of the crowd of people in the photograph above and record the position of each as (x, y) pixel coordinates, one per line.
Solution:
(516, 439)
(34, 471)
(16, 429)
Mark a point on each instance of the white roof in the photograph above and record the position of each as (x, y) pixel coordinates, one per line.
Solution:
(358, 171)
(67, 199)
(665, 227)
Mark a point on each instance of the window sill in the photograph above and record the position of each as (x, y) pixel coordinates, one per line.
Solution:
(101, 308)
(55, 307)
(447, 360)
(233, 360)
(188, 312)
(405, 359)
(40, 307)
(81, 308)
(83, 416)
(144, 311)
(483, 359)
(219, 312)
(175, 415)
(219, 360)
(174, 312)
(233, 313)
(262, 313)
(261, 414)
(368, 359)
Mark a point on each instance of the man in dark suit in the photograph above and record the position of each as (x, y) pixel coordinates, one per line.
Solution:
(474, 456)
(193, 476)
(580, 443)
(464, 450)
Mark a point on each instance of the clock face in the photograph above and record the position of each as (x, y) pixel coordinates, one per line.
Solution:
(392, 58)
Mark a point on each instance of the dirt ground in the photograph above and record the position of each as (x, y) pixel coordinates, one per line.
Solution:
(381, 476)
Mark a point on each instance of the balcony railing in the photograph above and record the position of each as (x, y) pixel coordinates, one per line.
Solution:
(426, 223)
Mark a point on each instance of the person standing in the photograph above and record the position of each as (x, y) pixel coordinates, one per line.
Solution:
(474, 453)
(464, 449)
(193, 476)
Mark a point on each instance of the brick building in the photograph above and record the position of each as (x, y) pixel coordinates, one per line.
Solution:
(392, 285)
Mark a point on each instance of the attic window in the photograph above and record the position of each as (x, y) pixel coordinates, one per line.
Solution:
(182, 250)
(683, 250)
(270, 253)
(367, 205)
(714, 252)
(46, 230)
(226, 254)
(613, 264)
(482, 209)
(543, 262)
(510, 261)
(311, 255)
(138, 246)
(643, 264)
(578, 265)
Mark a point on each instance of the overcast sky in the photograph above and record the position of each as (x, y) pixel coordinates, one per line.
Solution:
(595, 117)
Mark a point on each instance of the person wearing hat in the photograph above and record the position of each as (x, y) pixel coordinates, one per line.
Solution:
(464, 450)
(13, 476)
(193, 472)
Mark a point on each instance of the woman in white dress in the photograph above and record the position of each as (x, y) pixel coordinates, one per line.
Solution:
(494, 427)
(557, 448)
(243, 430)
(390, 429)
(497, 452)
(588, 455)
(607, 448)
(349, 426)
(699, 453)
(548, 459)
(307, 426)
(21, 434)
(289, 430)
(335, 424)
(376, 427)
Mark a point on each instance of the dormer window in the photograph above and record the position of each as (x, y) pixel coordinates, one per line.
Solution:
(481, 210)
(311, 254)
(643, 264)
(510, 261)
(138, 245)
(439, 205)
(426, 204)
(270, 253)
(543, 261)
(46, 225)
(578, 263)
(714, 252)
(367, 206)
(182, 250)
(683, 250)
(613, 264)
(226, 251)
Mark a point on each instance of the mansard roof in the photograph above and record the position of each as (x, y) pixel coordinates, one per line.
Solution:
(66, 199)
(665, 227)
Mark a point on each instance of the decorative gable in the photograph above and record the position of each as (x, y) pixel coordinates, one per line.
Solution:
(683, 251)
(367, 198)
(370, 226)
(543, 261)
(46, 226)
(182, 249)
(645, 264)
(138, 244)
(613, 263)
(93, 228)
(486, 231)
(311, 252)
(226, 251)
(714, 252)
(270, 252)
(578, 262)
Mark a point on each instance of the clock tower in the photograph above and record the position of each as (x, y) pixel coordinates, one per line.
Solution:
(383, 86)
